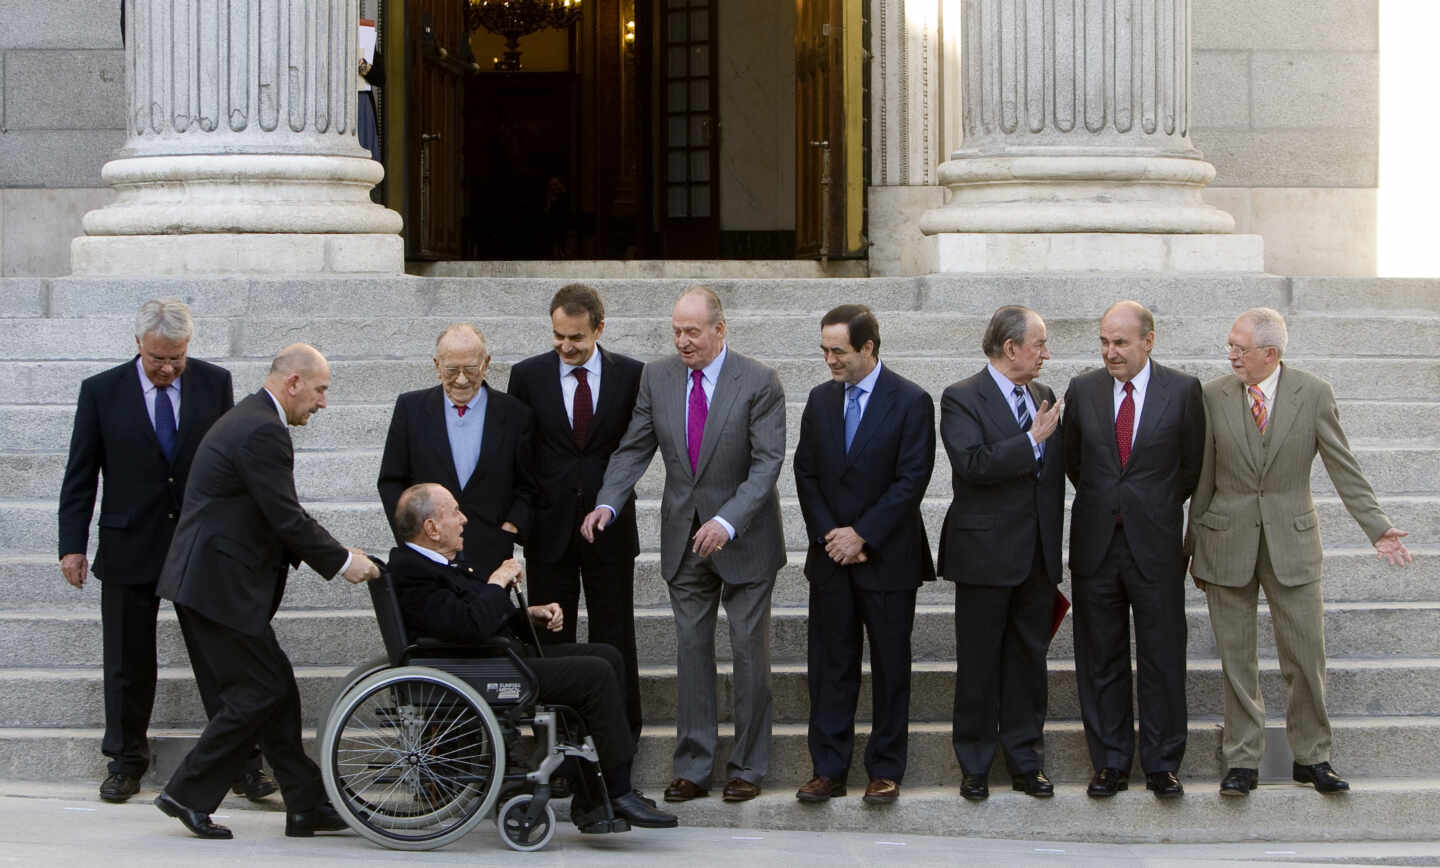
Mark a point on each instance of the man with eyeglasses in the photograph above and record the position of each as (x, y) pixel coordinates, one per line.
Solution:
(471, 439)
(1253, 526)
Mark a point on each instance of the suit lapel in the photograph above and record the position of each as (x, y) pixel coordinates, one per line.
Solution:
(432, 413)
(875, 409)
(551, 399)
(677, 387)
(1288, 401)
(1157, 397)
(187, 409)
(132, 383)
(1102, 401)
(609, 397)
(1237, 419)
(727, 387)
(997, 403)
(830, 412)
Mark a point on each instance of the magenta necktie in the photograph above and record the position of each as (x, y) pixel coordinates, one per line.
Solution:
(695, 424)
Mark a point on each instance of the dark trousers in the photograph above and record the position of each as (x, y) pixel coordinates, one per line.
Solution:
(257, 699)
(1002, 635)
(589, 678)
(127, 623)
(609, 602)
(840, 616)
(1103, 603)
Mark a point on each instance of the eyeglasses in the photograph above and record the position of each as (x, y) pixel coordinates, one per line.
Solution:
(472, 372)
(1233, 350)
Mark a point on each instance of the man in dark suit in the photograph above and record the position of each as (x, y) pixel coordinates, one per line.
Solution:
(469, 438)
(582, 396)
(446, 600)
(866, 451)
(240, 530)
(1134, 439)
(1001, 547)
(718, 421)
(145, 459)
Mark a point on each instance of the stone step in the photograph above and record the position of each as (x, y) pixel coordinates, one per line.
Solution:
(1397, 747)
(56, 696)
(344, 636)
(769, 334)
(1351, 575)
(350, 474)
(378, 381)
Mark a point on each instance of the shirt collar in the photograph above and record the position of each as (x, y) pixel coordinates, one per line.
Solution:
(1003, 381)
(278, 409)
(867, 385)
(1270, 384)
(146, 386)
(711, 371)
(591, 364)
(1141, 380)
(429, 553)
(477, 398)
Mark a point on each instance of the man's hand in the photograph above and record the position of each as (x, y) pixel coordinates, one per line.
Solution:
(509, 527)
(1047, 419)
(362, 569)
(710, 538)
(74, 568)
(507, 574)
(1199, 582)
(858, 559)
(843, 545)
(1388, 547)
(550, 616)
(595, 522)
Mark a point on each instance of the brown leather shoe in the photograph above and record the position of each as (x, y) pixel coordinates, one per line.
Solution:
(740, 790)
(882, 791)
(682, 790)
(820, 789)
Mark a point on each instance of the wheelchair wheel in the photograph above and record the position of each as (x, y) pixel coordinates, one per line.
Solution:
(510, 822)
(412, 758)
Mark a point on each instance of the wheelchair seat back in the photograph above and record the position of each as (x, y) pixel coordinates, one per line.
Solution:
(387, 613)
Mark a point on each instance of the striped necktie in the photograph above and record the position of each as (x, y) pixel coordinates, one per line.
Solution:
(1257, 409)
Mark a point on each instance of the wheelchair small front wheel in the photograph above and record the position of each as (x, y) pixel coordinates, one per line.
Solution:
(510, 822)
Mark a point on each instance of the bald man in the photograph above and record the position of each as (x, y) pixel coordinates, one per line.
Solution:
(240, 529)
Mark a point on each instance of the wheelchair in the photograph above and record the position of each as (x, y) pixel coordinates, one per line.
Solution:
(422, 744)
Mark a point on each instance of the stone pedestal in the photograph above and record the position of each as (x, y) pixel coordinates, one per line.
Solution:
(1076, 120)
(242, 155)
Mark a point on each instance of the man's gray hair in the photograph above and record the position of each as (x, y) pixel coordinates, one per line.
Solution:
(416, 504)
(1270, 330)
(166, 318)
(712, 302)
(1009, 323)
(464, 327)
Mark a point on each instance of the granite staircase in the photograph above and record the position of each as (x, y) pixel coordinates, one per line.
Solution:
(1377, 341)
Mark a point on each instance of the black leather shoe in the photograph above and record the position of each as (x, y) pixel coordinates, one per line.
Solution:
(119, 787)
(1239, 782)
(1106, 783)
(1033, 784)
(321, 818)
(634, 811)
(644, 798)
(197, 822)
(976, 788)
(1321, 775)
(254, 785)
(1165, 785)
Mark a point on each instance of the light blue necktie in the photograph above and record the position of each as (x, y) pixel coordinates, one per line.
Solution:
(165, 422)
(852, 413)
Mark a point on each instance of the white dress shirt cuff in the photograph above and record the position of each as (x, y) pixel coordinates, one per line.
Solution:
(609, 507)
(729, 528)
(349, 556)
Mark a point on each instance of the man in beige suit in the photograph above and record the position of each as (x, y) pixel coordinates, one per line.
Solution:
(1253, 525)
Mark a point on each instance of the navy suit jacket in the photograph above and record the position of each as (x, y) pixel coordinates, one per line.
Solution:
(417, 449)
(143, 492)
(567, 477)
(876, 487)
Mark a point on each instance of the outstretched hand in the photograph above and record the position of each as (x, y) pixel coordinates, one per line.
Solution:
(1390, 549)
(595, 522)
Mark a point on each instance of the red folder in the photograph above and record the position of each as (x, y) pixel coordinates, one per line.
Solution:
(1057, 612)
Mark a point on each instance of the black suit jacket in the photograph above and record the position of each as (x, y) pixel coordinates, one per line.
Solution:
(568, 477)
(242, 525)
(143, 492)
(453, 604)
(1148, 493)
(1002, 507)
(876, 487)
(417, 449)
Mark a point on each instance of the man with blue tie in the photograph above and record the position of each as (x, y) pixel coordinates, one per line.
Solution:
(145, 458)
(866, 451)
(1001, 547)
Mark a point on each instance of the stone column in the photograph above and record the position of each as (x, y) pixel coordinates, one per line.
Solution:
(242, 155)
(1076, 121)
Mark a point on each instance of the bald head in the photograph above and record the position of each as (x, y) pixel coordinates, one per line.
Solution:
(299, 379)
(1127, 335)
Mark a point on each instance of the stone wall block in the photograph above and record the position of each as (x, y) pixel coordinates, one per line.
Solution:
(65, 90)
(1221, 90)
(59, 24)
(1292, 158)
(55, 158)
(1332, 89)
(1303, 25)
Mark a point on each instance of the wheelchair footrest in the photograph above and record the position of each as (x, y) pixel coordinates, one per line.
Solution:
(605, 827)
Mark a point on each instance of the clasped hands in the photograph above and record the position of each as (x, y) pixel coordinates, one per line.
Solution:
(845, 546)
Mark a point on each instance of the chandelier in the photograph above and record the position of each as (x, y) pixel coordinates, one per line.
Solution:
(513, 19)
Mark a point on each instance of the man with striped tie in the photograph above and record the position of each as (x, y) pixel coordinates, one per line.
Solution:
(1253, 525)
(1001, 547)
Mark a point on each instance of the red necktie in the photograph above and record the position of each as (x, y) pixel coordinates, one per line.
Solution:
(583, 410)
(695, 424)
(1125, 424)
(461, 408)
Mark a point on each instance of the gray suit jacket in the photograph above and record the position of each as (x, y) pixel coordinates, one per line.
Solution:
(1248, 482)
(740, 458)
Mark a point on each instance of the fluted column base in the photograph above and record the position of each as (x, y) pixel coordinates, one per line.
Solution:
(1042, 252)
(218, 253)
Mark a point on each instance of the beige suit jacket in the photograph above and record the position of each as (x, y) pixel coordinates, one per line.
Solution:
(1251, 484)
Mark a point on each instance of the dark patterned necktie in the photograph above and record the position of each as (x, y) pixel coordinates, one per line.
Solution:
(1125, 424)
(583, 410)
(165, 422)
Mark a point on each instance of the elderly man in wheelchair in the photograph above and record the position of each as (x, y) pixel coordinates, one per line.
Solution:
(416, 752)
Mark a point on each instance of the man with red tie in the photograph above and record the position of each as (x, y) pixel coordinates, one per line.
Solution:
(1134, 436)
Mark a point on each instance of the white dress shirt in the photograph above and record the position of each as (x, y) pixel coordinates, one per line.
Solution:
(1268, 388)
(1007, 388)
(148, 389)
(429, 553)
(569, 385)
(1141, 383)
